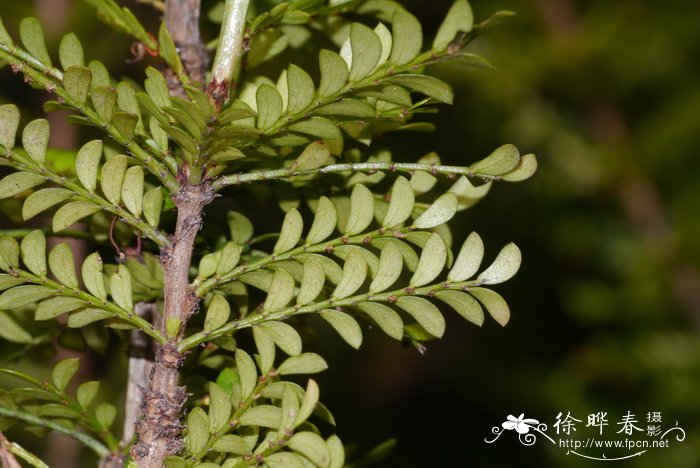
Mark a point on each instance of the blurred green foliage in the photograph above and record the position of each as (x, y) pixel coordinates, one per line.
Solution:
(606, 308)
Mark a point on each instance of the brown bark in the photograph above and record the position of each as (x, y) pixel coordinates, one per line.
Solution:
(7, 459)
(182, 21)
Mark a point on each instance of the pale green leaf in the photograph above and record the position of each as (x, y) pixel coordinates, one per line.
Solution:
(62, 265)
(9, 253)
(87, 163)
(132, 190)
(281, 291)
(152, 205)
(390, 265)
(361, 210)
(385, 317)
(441, 211)
(290, 409)
(284, 336)
(63, 372)
(468, 260)
(219, 408)
(87, 316)
(337, 452)
(32, 35)
(77, 80)
(229, 258)
(502, 161)
(467, 193)
(9, 122)
(324, 222)
(5, 38)
(266, 349)
(366, 50)
(120, 288)
(407, 37)
(348, 108)
(312, 446)
(8, 281)
(208, 264)
(494, 304)
(285, 460)
(431, 263)
(459, 18)
(314, 156)
(247, 373)
(346, 326)
(428, 85)
(304, 363)
(334, 73)
(18, 182)
(384, 36)
(301, 89)
(218, 313)
(86, 393)
(35, 139)
(240, 226)
(231, 444)
(70, 51)
(157, 87)
(168, 50)
(354, 275)
(11, 331)
(464, 304)
(23, 295)
(33, 252)
(104, 100)
(42, 200)
(401, 203)
(91, 271)
(308, 404)
(197, 430)
(270, 106)
(426, 314)
(263, 416)
(313, 280)
(525, 169)
(112, 177)
(504, 267)
(55, 306)
(291, 232)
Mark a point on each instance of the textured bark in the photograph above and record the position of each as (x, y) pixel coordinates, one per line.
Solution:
(182, 21)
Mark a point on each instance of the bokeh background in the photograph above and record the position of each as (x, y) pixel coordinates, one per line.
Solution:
(606, 308)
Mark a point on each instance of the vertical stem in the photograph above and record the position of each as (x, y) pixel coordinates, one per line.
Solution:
(159, 430)
(182, 20)
(229, 51)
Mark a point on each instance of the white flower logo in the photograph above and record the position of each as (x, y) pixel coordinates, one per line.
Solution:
(522, 426)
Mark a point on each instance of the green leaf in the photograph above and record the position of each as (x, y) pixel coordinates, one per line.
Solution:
(208, 264)
(55, 306)
(281, 291)
(197, 430)
(314, 156)
(263, 416)
(9, 253)
(285, 460)
(468, 260)
(407, 38)
(459, 18)
(354, 275)
(104, 100)
(93, 279)
(8, 281)
(525, 169)
(385, 317)
(9, 122)
(152, 205)
(304, 363)
(240, 226)
(87, 316)
(32, 35)
(157, 87)
(366, 50)
(168, 50)
(441, 211)
(503, 160)
(494, 304)
(18, 182)
(120, 288)
(284, 336)
(390, 265)
(42, 200)
(291, 232)
(504, 267)
(401, 203)
(219, 408)
(334, 73)
(86, 393)
(170, 462)
(63, 372)
(301, 89)
(385, 37)
(354, 108)
(308, 404)
(468, 194)
(125, 123)
(464, 304)
(112, 177)
(132, 190)
(346, 326)
(77, 80)
(337, 452)
(33, 252)
(217, 314)
(428, 85)
(312, 282)
(361, 210)
(70, 51)
(87, 163)
(62, 265)
(5, 38)
(35, 139)
(266, 349)
(23, 295)
(432, 261)
(426, 314)
(246, 372)
(11, 331)
(324, 222)
(71, 213)
(312, 446)
(229, 258)
(270, 106)
(290, 409)
(231, 444)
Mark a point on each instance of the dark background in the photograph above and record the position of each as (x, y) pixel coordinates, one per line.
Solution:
(606, 307)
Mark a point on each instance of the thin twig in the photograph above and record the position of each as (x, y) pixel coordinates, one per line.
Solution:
(7, 459)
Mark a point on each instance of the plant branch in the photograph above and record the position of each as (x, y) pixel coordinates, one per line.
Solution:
(229, 51)
(182, 21)
(7, 458)
(27, 456)
(88, 441)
